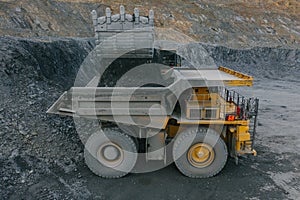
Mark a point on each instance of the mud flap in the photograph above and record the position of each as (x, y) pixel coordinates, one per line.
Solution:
(233, 152)
(155, 145)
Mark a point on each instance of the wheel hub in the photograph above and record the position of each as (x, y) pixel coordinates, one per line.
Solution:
(201, 155)
(110, 154)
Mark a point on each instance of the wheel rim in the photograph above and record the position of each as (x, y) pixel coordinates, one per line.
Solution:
(201, 155)
(110, 154)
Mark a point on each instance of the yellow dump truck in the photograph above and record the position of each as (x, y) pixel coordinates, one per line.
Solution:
(191, 119)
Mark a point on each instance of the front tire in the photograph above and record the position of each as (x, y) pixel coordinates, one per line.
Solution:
(199, 153)
(110, 154)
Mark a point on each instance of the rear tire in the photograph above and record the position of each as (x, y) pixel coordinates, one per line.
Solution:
(111, 154)
(199, 153)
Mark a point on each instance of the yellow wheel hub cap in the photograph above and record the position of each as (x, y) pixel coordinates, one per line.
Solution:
(201, 155)
(110, 154)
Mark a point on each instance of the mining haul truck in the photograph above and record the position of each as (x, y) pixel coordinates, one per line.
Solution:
(191, 118)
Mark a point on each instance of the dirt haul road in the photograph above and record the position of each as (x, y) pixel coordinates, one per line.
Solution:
(41, 156)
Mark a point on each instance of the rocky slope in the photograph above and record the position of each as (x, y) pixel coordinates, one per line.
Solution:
(33, 73)
(238, 23)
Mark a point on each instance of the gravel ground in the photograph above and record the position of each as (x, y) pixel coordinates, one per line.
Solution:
(41, 155)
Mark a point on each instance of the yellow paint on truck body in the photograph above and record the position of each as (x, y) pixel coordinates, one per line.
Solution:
(246, 79)
(243, 141)
(243, 134)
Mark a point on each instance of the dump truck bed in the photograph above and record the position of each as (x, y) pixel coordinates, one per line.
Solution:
(157, 102)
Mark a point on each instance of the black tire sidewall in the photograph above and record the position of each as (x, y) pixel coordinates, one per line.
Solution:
(122, 140)
(192, 136)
